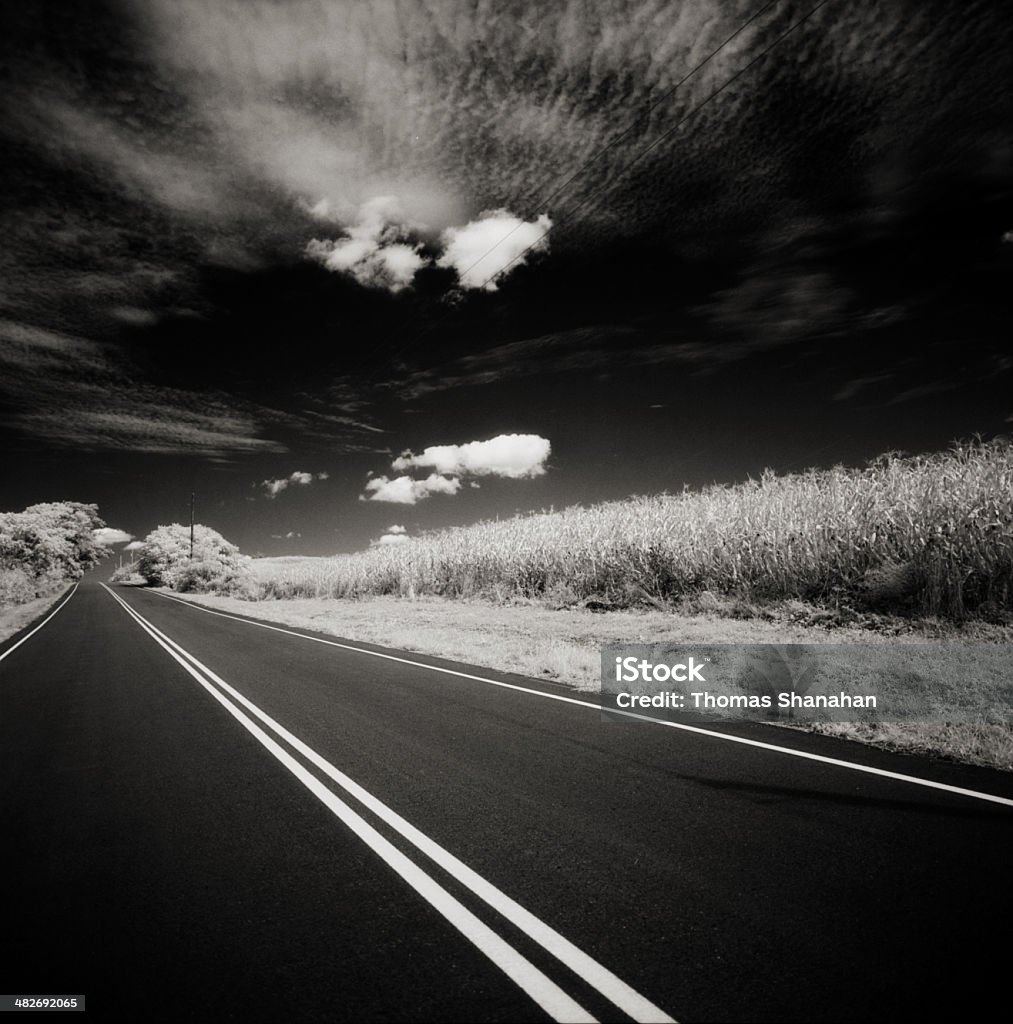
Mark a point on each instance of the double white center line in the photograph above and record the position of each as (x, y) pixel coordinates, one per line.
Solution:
(538, 986)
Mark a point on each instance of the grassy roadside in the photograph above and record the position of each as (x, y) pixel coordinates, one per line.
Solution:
(15, 617)
(563, 646)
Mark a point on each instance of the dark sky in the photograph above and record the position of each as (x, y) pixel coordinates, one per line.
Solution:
(247, 241)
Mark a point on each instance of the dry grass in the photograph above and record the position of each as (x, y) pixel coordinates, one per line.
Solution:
(15, 617)
(927, 534)
(564, 646)
(986, 744)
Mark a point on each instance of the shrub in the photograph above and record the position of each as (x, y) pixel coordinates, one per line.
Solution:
(16, 586)
(217, 565)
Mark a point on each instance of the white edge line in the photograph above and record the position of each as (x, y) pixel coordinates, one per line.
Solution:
(14, 647)
(538, 986)
(821, 758)
(622, 995)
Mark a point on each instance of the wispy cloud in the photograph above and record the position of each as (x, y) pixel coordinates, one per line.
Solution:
(74, 392)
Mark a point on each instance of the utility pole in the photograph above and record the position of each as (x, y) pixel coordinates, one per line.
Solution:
(193, 502)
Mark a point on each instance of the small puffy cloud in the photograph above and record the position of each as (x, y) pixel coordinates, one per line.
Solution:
(486, 247)
(134, 545)
(395, 534)
(515, 456)
(291, 535)
(374, 250)
(403, 490)
(106, 536)
(275, 487)
(298, 478)
(392, 538)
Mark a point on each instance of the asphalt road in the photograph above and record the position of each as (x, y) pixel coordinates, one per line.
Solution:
(257, 826)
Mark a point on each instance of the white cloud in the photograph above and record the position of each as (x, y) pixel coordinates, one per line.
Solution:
(403, 490)
(106, 537)
(285, 536)
(486, 247)
(395, 534)
(374, 250)
(377, 252)
(515, 456)
(299, 478)
(134, 545)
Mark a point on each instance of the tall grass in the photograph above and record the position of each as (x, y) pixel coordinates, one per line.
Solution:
(932, 533)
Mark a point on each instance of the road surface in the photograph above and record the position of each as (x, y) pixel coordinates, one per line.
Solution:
(208, 819)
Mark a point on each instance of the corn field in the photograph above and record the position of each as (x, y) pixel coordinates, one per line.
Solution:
(930, 533)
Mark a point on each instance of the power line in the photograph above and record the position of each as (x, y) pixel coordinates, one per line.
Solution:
(626, 132)
(661, 138)
(594, 195)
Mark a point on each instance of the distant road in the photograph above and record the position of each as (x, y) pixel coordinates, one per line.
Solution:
(207, 819)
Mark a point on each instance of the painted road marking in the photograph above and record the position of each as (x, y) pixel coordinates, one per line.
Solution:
(14, 647)
(820, 758)
(537, 985)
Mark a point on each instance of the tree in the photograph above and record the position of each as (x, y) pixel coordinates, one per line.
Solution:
(216, 564)
(54, 539)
